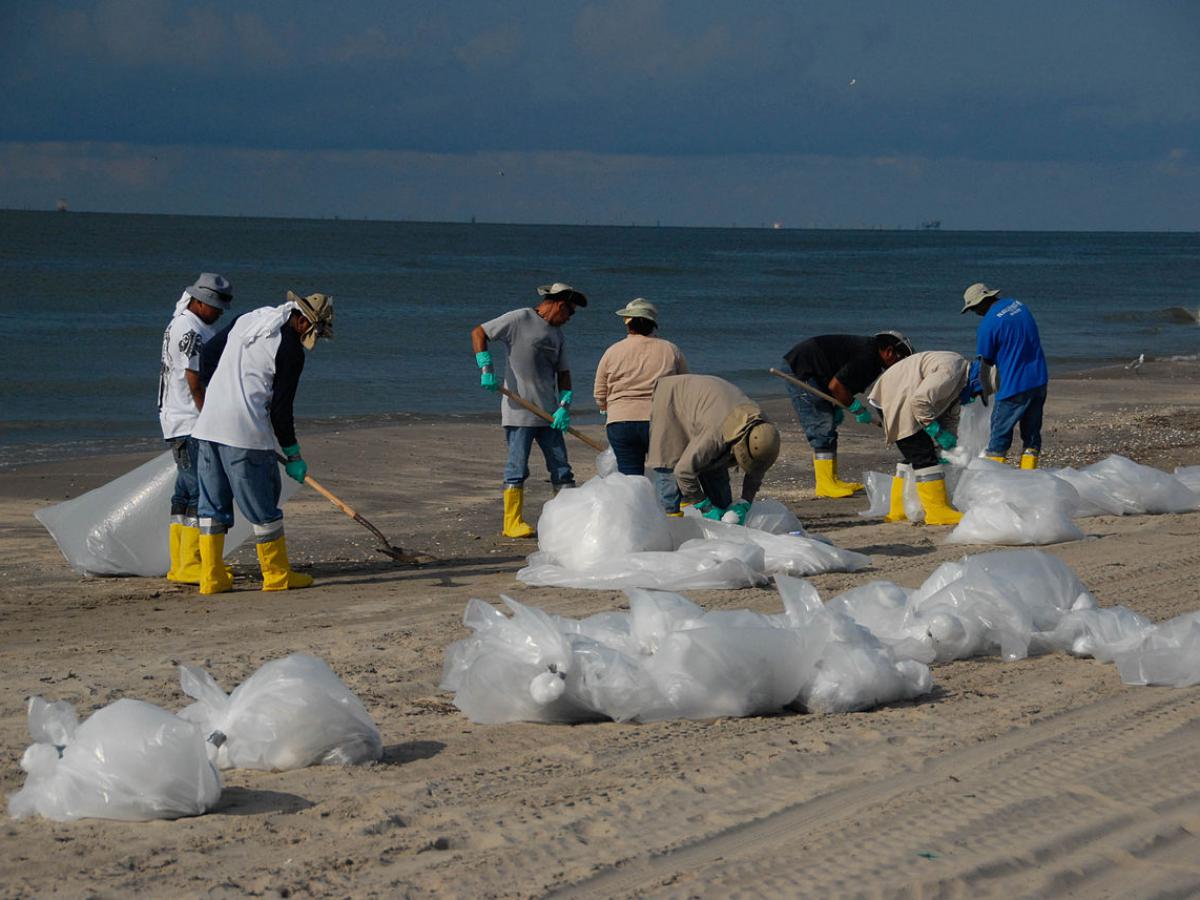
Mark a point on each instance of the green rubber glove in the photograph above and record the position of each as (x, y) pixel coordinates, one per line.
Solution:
(487, 375)
(714, 512)
(861, 413)
(741, 508)
(703, 504)
(562, 415)
(944, 439)
(295, 466)
(838, 415)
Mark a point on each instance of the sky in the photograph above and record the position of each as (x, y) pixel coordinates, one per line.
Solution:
(1068, 114)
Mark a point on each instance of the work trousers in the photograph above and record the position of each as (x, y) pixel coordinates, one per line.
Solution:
(520, 440)
(1024, 409)
(816, 415)
(187, 484)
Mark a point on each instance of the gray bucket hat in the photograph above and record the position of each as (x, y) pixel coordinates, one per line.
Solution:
(639, 308)
(212, 290)
(976, 294)
(561, 291)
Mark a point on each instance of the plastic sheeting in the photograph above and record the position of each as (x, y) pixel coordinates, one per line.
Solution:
(130, 760)
(121, 527)
(611, 533)
(291, 713)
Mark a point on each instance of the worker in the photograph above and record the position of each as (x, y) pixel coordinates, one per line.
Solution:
(180, 399)
(840, 365)
(1007, 339)
(700, 427)
(625, 379)
(537, 371)
(247, 418)
(919, 402)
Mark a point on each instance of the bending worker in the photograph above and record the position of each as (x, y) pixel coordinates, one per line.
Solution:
(537, 371)
(180, 399)
(700, 426)
(918, 399)
(625, 379)
(248, 414)
(840, 365)
(1008, 339)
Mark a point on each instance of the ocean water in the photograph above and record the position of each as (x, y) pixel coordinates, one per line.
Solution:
(86, 298)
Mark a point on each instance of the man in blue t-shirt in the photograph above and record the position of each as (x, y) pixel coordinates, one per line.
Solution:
(1008, 340)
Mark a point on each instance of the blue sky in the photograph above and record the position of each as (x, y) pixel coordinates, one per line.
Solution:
(1074, 114)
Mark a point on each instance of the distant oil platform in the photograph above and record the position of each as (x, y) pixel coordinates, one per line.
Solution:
(931, 225)
(61, 205)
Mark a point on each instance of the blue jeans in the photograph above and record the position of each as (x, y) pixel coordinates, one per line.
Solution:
(815, 414)
(1024, 409)
(249, 476)
(714, 483)
(187, 484)
(630, 442)
(520, 440)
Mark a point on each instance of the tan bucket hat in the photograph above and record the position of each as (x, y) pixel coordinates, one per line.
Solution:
(639, 308)
(318, 309)
(758, 449)
(976, 294)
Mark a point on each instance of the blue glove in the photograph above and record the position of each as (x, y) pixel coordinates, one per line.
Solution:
(838, 415)
(967, 396)
(944, 439)
(861, 413)
(714, 513)
(487, 377)
(741, 508)
(295, 467)
(562, 415)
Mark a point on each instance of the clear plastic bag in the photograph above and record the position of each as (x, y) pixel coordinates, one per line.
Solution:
(291, 713)
(131, 761)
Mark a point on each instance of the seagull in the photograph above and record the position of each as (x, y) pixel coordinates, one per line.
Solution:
(1137, 363)
(853, 82)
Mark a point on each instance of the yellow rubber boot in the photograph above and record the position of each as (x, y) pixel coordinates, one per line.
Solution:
(276, 570)
(1029, 459)
(896, 505)
(999, 459)
(931, 488)
(825, 469)
(214, 576)
(188, 571)
(854, 486)
(174, 532)
(514, 525)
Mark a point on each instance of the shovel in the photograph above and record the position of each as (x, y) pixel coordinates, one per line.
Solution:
(411, 559)
(812, 390)
(542, 414)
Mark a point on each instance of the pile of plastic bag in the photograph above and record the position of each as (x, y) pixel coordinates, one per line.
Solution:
(121, 528)
(611, 533)
(668, 658)
(130, 760)
(291, 713)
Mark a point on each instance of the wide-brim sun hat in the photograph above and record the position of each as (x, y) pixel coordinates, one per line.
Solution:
(562, 291)
(976, 294)
(318, 309)
(212, 290)
(758, 449)
(639, 308)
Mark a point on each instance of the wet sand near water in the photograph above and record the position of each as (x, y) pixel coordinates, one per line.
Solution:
(1041, 777)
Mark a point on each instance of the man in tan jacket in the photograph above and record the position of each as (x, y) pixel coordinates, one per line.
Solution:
(918, 399)
(700, 427)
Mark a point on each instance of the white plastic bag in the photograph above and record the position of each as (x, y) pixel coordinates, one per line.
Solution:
(121, 528)
(131, 761)
(291, 713)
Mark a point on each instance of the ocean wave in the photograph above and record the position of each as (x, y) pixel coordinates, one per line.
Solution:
(1176, 315)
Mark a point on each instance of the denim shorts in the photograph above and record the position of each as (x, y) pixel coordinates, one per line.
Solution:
(251, 477)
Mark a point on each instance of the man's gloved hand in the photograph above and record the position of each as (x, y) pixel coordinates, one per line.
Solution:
(944, 439)
(967, 396)
(562, 415)
(861, 413)
(714, 512)
(740, 509)
(838, 415)
(703, 504)
(487, 375)
(295, 466)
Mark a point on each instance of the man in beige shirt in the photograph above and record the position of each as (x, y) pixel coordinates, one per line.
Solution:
(700, 427)
(918, 399)
(625, 381)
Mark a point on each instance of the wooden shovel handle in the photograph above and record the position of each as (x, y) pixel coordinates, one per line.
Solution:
(541, 413)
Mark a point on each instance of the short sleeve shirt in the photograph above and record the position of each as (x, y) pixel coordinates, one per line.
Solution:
(536, 353)
(182, 344)
(1008, 338)
(850, 358)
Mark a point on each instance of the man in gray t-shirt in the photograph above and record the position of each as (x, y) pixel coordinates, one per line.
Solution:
(536, 371)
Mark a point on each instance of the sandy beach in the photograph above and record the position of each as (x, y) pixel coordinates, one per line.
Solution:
(1043, 777)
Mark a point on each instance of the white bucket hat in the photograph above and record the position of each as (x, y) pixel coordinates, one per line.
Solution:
(639, 308)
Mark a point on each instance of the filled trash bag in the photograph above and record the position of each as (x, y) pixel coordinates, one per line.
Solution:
(291, 713)
(1119, 486)
(1167, 654)
(131, 761)
(1101, 634)
(610, 533)
(121, 528)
